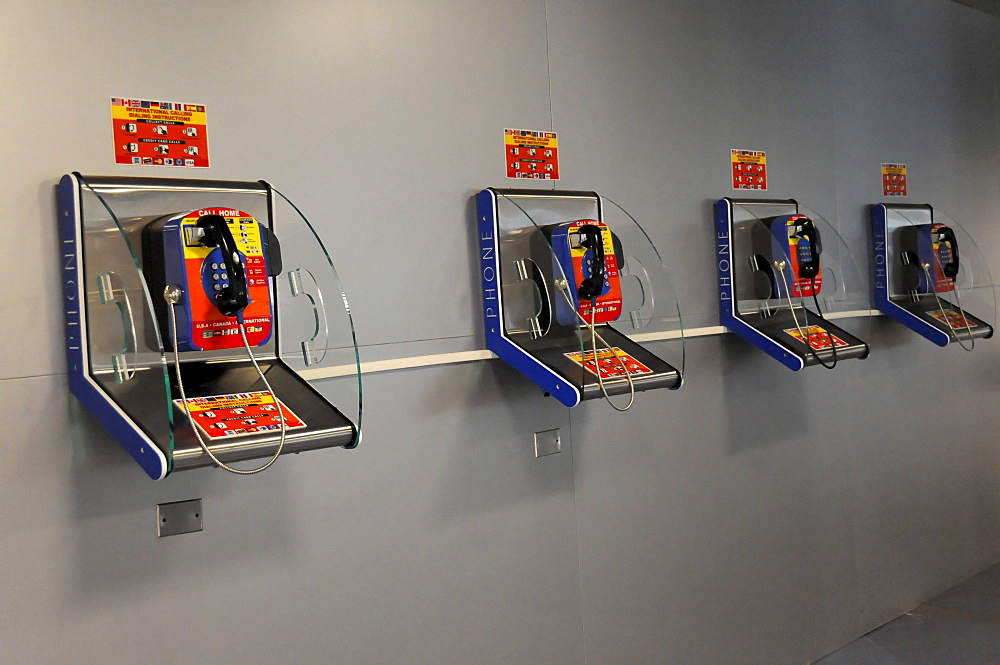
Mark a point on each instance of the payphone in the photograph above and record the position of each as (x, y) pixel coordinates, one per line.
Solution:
(783, 276)
(575, 296)
(930, 276)
(188, 326)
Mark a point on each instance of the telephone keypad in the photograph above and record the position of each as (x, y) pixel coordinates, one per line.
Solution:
(605, 273)
(211, 276)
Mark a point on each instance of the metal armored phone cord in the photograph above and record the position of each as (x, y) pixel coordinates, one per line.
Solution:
(829, 336)
(780, 265)
(932, 285)
(172, 295)
(597, 366)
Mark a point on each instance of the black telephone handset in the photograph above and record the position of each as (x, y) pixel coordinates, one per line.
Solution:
(588, 254)
(232, 298)
(591, 239)
(946, 236)
(806, 230)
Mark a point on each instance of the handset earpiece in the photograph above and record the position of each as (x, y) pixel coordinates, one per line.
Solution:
(233, 298)
(592, 239)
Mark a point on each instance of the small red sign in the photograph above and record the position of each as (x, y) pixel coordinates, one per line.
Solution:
(239, 414)
(749, 169)
(819, 337)
(149, 133)
(952, 318)
(531, 154)
(894, 180)
(609, 363)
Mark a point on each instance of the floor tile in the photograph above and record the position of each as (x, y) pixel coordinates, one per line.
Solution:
(940, 641)
(860, 652)
(980, 592)
(959, 627)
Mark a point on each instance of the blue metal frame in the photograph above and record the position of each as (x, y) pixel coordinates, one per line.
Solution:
(880, 264)
(131, 437)
(728, 315)
(496, 338)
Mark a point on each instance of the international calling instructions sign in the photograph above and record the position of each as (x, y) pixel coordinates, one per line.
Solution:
(749, 169)
(239, 414)
(894, 180)
(531, 154)
(149, 133)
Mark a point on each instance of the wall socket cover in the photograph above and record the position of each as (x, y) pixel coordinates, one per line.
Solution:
(179, 517)
(547, 442)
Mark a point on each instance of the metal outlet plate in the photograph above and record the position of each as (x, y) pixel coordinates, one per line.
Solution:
(547, 442)
(179, 517)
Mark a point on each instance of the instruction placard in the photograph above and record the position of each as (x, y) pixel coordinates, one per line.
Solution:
(894, 180)
(148, 133)
(819, 337)
(609, 363)
(531, 154)
(239, 414)
(749, 169)
(952, 319)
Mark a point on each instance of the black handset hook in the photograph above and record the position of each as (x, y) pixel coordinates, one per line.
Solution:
(911, 272)
(808, 230)
(232, 299)
(759, 264)
(947, 234)
(592, 239)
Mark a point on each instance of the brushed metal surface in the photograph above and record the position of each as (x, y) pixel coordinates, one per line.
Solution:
(179, 517)
(547, 442)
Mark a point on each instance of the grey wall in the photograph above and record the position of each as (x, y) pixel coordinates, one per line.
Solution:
(756, 515)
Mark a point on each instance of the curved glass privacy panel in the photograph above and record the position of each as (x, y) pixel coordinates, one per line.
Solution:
(316, 333)
(578, 296)
(650, 311)
(139, 238)
(788, 283)
(528, 278)
(931, 276)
